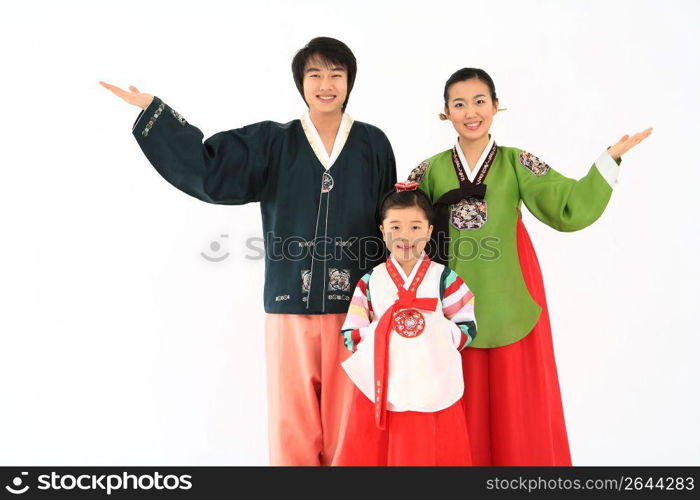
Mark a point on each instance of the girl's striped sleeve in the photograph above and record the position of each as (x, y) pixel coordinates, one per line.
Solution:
(458, 306)
(359, 314)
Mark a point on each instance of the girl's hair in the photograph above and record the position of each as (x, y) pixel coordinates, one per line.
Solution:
(404, 199)
(467, 74)
(329, 50)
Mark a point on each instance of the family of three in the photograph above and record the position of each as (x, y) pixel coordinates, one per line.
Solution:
(406, 359)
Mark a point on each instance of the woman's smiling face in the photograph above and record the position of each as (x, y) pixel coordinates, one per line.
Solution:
(470, 108)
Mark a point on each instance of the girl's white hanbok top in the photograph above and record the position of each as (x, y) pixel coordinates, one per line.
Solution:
(424, 366)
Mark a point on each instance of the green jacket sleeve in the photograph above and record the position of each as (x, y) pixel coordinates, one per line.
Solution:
(228, 168)
(560, 202)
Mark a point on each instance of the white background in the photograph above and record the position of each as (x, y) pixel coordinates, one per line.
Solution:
(121, 345)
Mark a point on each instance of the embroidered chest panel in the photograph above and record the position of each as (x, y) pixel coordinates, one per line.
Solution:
(409, 323)
(339, 279)
(470, 213)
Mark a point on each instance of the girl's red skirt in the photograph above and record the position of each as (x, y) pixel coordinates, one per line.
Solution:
(410, 438)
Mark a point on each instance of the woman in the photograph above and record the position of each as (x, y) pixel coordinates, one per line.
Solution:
(512, 397)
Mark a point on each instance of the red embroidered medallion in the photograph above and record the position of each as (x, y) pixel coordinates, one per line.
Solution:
(409, 323)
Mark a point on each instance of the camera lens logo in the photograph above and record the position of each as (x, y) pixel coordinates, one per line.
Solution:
(215, 246)
(17, 483)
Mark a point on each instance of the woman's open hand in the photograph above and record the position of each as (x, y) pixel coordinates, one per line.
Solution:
(133, 97)
(627, 143)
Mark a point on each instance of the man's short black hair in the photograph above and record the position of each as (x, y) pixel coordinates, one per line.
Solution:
(330, 50)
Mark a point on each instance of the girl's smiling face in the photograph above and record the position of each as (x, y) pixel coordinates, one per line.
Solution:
(470, 108)
(406, 231)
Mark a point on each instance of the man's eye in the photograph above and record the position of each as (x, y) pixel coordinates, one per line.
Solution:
(416, 227)
(394, 227)
(458, 105)
(480, 101)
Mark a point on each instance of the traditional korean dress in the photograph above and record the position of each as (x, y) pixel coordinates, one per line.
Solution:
(513, 401)
(318, 217)
(406, 334)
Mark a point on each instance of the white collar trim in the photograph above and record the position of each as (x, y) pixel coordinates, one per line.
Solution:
(407, 280)
(471, 174)
(316, 143)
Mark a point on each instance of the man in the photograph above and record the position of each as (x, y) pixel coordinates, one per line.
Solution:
(319, 181)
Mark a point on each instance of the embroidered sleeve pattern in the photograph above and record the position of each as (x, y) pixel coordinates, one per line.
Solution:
(421, 175)
(417, 173)
(230, 167)
(359, 314)
(533, 164)
(157, 113)
(563, 203)
(458, 306)
(153, 119)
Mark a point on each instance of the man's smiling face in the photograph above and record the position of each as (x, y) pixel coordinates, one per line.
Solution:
(325, 86)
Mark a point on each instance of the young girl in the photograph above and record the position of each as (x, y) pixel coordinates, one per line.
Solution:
(513, 402)
(408, 320)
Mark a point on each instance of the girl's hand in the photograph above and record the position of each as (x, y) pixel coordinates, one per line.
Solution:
(134, 97)
(627, 143)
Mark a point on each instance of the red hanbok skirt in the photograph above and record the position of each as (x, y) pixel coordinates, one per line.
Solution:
(512, 397)
(410, 438)
(512, 404)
